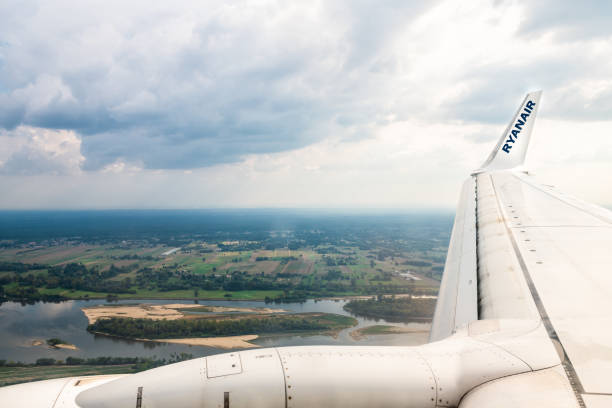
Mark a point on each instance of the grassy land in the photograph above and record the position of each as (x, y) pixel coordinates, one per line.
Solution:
(14, 375)
(361, 271)
(194, 260)
(174, 294)
(379, 329)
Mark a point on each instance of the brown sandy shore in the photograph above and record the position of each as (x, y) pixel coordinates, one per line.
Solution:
(159, 312)
(224, 342)
(229, 342)
(65, 346)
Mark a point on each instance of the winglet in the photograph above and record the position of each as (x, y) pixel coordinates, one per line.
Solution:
(511, 149)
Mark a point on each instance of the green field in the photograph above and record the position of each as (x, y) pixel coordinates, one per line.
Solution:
(378, 329)
(208, 271)
(15, 375)
(174, 294)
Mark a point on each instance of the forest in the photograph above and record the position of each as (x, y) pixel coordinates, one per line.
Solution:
(200, 327)
(393, 309)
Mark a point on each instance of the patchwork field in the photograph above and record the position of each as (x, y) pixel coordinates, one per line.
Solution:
(274, 255)
(208, 271)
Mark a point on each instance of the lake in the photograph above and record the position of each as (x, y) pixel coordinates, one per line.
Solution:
(21, 324)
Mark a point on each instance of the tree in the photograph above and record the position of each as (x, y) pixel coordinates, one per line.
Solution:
(55, 341)
(45, 361)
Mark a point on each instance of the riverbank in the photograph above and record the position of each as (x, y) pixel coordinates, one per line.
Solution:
(386, 296)
(364, 332)
(62, 294)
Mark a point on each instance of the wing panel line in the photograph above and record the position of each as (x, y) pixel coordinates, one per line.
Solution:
(561, 199)
(570, 371)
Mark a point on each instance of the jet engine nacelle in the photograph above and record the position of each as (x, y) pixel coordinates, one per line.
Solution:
(278, 378)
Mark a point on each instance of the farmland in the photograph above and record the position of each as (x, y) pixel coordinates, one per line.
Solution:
(317, 257)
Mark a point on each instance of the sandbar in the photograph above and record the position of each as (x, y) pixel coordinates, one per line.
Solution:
(65, 346)
(229, 342)
(160, 312)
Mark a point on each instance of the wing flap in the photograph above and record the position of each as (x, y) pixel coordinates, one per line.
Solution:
(457, 298)
(503, 292)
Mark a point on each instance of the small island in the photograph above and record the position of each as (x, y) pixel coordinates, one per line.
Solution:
(401, 309)
(213, 327)
(60, 344)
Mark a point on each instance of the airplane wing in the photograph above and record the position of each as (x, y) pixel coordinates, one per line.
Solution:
(466, 292)
(534, 253)
(523, 320)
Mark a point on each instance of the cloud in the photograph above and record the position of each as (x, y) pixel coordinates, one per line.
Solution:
(392, 169)
(38, 151)
(268, 103)
(191, 85)
(567, 20)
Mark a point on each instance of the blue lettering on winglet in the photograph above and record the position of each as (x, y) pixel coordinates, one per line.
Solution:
(518, 126)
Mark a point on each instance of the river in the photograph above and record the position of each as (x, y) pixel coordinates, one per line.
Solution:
(20, 325)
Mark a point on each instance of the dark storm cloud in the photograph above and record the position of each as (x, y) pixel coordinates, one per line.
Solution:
(173, 87)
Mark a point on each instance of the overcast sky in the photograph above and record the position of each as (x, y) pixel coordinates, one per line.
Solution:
(333, 104)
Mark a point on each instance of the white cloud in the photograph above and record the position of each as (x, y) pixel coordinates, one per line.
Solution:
(324, 104)
(32, 151)
(406, 164)
(120, 166)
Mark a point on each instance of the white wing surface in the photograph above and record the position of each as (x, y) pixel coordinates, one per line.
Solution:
(541, 255)
(458, 297)
(524, 319)
(564, 252)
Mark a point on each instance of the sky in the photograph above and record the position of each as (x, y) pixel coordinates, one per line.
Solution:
(302, 104)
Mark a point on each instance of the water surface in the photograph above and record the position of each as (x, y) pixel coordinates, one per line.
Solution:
(21, 324)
